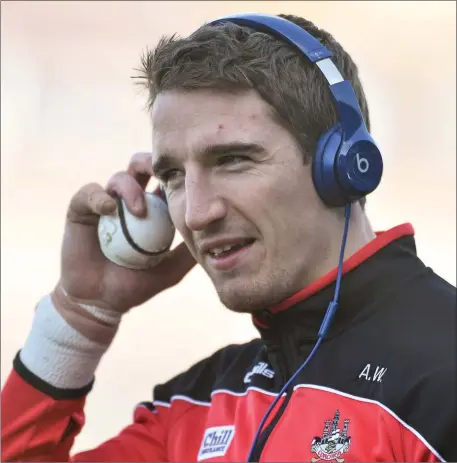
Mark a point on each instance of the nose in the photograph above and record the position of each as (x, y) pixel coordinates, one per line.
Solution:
(203, 204)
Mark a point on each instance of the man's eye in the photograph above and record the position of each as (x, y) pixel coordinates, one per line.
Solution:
(169, 175)
(232, 159)
(171, 178)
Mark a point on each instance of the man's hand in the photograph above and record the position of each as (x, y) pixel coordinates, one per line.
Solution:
(87, 276)
(74, 325)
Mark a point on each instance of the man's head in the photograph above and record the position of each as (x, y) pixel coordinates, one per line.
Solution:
(236, 118)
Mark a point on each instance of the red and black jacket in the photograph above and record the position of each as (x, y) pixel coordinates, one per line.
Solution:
(381, 387)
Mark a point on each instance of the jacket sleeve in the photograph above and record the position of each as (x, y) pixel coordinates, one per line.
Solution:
(41, 422)
(432, 413)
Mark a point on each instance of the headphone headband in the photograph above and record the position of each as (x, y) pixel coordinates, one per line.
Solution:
(348, 108)
(283, 28)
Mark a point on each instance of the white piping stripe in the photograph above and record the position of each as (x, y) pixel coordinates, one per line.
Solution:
(216, 391)
(161, 404)
(183, 398)
(303, 386)
(240, 394)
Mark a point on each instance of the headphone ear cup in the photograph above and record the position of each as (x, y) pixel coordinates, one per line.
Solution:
(324, 168)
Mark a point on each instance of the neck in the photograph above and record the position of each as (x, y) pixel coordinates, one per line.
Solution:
(360, 233)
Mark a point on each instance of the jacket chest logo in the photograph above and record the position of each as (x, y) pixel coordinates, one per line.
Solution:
(333, 443)
(260, 369)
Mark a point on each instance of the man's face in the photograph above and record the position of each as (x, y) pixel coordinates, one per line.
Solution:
(239, 194)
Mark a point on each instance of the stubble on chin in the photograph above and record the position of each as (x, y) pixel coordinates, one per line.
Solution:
(256, 296)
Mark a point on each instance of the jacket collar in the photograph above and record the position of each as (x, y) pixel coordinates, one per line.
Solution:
(383, 263)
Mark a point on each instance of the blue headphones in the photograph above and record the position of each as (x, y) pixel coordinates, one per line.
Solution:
(347, 164)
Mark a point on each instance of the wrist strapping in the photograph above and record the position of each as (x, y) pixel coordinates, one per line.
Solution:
(60, 355)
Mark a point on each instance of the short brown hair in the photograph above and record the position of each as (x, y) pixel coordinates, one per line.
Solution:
(230, 58)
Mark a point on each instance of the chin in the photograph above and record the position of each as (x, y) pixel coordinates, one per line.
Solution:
(239, 303)
(247, 297)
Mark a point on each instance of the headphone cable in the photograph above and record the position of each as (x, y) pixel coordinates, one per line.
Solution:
(332, 307)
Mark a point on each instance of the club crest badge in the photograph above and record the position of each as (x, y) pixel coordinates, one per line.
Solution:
(333, 443)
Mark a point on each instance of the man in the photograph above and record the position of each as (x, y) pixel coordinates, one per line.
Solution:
(237, 115)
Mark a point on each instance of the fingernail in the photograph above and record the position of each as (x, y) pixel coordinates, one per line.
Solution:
(108, 207)
(138, 205)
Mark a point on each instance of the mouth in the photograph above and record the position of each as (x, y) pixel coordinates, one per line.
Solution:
(227, 256)
(227, 249)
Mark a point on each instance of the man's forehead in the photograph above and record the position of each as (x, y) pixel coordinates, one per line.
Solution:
(184, 109)
(186, 123)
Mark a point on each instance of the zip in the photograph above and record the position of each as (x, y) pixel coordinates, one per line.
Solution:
(263, 438)
(265, 434)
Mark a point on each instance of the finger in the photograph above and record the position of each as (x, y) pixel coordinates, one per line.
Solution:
(126, 187)
(140, 168)
(90, 202)
(158, 191)
(178, 263)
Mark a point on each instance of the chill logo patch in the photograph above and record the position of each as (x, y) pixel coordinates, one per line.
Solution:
(216, 442)
(333, 443)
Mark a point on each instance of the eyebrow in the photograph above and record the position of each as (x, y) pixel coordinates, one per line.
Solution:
(165, 161)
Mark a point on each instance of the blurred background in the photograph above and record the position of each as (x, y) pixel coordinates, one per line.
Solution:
(71, 115)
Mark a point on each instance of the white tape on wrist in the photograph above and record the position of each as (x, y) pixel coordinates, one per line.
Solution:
(57, 353)
(106, 316)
